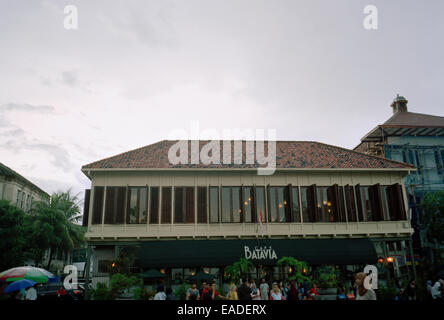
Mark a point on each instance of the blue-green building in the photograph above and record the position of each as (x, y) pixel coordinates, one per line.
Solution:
(417, 139)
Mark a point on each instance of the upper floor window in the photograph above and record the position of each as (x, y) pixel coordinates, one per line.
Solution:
(231, 204)
(115, 205)
(154, 205)
(214, 204)
(137, 205)
(280, 208)
(17, 203)
(184, 205)
(165, 207)
(98, 205)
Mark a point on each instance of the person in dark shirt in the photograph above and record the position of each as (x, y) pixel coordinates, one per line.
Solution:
(244, 291)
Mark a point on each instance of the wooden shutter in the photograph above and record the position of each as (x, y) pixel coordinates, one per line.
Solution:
(166, 205)
(120, 205)
(311, 202)
(202, 205)
(376, 202)
(253, 204)
(98, 205)
(351, 205)
(359, 203)
(86, 208)
(396, 202)
(189, 205)
(110, 205)
(288, 206)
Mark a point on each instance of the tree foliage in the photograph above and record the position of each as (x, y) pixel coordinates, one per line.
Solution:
(50, 225)
(12, 235)
(238, 270)
(432, 220)
(298, 269)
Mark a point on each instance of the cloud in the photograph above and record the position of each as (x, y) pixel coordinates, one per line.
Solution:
(26, 107)
(70, 78)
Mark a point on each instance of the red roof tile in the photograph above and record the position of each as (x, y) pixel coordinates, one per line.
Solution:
(289, 155)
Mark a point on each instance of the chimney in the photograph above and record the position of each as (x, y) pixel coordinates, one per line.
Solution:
(399, 104)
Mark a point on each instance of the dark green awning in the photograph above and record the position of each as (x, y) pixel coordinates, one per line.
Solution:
(200, 253)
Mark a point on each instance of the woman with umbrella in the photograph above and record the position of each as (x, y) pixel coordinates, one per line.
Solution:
(18, 287)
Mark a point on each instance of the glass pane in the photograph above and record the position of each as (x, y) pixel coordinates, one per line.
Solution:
(133, 208)
(237, 208)
(226, 204)
(142, 205)
(260, 203)
(248, 203)
(282, 204)
(322, 205)
(304, 204)
(214, 204)
(273, 204)
(295, 214)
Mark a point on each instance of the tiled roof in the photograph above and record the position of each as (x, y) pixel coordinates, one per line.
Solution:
(289, 155)
(411, 119)
(8, 172)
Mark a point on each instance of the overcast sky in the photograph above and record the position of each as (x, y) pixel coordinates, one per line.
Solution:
(134, 71)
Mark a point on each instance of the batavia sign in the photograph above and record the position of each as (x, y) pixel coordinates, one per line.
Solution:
(260, 253)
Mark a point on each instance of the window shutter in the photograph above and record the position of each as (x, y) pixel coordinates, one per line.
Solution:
(359, 202)
(86, 207)
(189, 205)
(288, 207)
(311, 192)
(376, 201)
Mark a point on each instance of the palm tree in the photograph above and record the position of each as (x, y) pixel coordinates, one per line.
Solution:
(55, 224)
(238, 269)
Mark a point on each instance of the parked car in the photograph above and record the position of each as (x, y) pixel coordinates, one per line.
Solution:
(49, 291)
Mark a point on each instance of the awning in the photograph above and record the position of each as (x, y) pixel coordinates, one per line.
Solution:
(199, 253)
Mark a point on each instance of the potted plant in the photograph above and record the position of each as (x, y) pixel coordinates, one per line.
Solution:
(328, 282)
(296, 269)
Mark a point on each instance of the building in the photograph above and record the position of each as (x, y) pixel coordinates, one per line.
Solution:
(18, 190)
(322, 205)
(417, 139)
(23, 193)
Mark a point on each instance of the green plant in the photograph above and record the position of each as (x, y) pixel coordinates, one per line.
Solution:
(238, 269)
(327, 277)
(121, 282)
(386, 293)
(298, 269)
(181, 291)
(102, 292)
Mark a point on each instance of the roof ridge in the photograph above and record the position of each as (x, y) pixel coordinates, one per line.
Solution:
(22, 177)
(369, 155)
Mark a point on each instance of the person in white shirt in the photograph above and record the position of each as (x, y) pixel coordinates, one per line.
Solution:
(436, 292)
(160, 295)
(31, 294)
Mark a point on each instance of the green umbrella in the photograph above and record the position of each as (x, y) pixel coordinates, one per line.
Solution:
(202, 276)
(152, 273)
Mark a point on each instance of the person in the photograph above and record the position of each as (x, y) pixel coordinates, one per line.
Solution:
(276, 293)
(203, 290)
(212, 293)
(283, 288)
(169, 294)
(160, 295)
(313, 292)
(436, 290)
(255, 292)
(429, 289)
(232, 292)
(362, 292)
(61, 292)
(193, 293)
(31, 293)
(264, 289)
(244, 291)
(341, 294)
(293, 293)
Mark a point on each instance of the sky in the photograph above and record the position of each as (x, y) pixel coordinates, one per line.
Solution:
(135, 71)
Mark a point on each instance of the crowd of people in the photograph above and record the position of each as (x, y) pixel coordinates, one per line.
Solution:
(249, 290)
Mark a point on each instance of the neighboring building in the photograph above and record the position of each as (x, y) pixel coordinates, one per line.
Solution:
(23, 193)
(413, 138)
(18, 190)
(323, 205)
